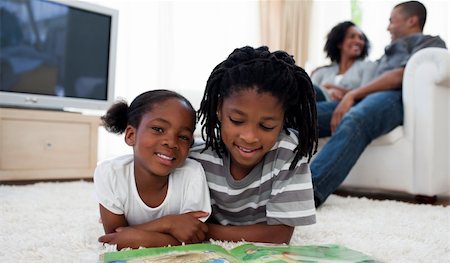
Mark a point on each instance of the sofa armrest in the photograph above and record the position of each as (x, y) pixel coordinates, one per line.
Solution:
(426, 89)
(426, 103)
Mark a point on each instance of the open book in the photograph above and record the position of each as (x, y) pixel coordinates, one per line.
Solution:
(242, 253)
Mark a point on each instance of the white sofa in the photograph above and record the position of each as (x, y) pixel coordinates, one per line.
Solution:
(414, 158)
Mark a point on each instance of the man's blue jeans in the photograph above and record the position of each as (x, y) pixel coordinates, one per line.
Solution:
(375, 115)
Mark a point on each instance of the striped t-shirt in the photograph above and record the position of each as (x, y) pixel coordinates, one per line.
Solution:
(270, 193)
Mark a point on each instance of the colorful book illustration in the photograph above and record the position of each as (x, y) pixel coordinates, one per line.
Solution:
(243, 253)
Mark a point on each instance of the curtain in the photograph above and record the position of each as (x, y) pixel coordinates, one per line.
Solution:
(285, 26)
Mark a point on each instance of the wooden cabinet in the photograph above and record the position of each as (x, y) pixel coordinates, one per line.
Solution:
(38, 144)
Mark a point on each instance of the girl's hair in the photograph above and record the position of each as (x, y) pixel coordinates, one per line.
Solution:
(120, 115)
(276, 73)
(336, 37)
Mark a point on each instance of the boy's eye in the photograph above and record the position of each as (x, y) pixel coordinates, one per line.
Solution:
(235, 121)
(157, 129)
(267, 128)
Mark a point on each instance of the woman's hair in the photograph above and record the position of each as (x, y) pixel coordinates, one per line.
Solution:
(265, 71)
(120, 115)
(336, 37)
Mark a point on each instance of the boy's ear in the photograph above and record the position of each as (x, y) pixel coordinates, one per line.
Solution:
(219, 115)
(219, 110)
(130, 135)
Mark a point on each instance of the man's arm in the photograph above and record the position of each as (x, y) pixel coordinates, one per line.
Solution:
(389, 80)
(278, 234)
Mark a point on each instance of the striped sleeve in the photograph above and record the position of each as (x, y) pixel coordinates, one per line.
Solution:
(292, 198)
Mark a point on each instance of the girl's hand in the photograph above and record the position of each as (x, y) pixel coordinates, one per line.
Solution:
(187, 227)
(125, 237)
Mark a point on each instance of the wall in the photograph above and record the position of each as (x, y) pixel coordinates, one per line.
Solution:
(375, 20)
(174, 45)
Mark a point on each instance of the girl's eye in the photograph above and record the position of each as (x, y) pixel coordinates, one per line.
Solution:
(185, 138)
(158, 129)
(235, 121)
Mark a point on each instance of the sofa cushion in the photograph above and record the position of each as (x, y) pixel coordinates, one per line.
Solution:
(389, 138)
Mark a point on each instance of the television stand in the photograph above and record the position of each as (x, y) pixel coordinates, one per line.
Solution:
(46, 145)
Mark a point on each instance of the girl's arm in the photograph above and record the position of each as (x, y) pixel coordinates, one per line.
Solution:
(167, 230)
(185, 227)
(252, 233)
(117, 232)
(135, 238)
(111, 221)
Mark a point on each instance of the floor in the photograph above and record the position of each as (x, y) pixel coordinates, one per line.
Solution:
(355, 192)
(398, 196)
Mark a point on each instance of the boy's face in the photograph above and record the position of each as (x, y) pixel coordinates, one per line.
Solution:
(161, 142)
(250, 124)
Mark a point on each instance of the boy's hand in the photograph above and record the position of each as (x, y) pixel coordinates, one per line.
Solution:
(187, 227)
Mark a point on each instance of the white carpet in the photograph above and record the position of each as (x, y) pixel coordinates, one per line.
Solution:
(58, 222)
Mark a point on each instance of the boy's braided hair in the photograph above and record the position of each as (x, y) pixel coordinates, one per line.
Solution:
(265, 71)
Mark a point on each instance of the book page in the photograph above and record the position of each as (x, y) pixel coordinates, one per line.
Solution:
(320, 253)
(174, 254)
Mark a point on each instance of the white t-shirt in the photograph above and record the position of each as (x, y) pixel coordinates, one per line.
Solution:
(116, 190)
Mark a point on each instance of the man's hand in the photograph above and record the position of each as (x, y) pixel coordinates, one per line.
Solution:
(187, 227)
(343, 107)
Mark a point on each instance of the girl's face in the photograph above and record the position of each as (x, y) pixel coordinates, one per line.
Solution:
(250, 124)
(161, 142)
(353, 43)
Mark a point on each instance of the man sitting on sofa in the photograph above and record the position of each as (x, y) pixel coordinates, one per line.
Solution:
(372, 110)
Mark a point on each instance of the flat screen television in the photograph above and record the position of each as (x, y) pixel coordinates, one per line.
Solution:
(57, 55)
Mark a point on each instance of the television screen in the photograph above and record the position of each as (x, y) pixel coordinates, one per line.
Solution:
(56, 54)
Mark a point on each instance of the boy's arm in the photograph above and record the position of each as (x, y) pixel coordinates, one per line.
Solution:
(278, 234)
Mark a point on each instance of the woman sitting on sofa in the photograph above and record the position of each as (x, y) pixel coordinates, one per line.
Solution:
(347, 47)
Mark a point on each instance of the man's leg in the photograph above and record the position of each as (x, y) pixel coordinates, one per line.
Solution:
(325, 111)
(319, 93)
(375, 115)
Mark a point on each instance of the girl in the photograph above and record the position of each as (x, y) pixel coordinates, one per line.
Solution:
(153, 197)
(260, 186)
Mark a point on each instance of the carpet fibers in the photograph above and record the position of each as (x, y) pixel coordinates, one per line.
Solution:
(58, 222)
